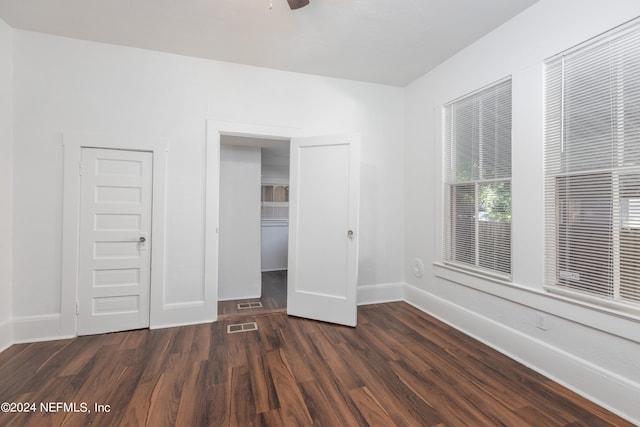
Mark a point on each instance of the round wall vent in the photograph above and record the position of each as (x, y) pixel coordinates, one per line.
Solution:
(417, 266)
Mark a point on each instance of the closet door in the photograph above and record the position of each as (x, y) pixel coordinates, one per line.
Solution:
(323, 228)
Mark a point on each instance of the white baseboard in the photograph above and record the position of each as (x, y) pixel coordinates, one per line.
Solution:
(238, 297)
(606, 388)
(6, 334)
(37, 328)
(375, 294)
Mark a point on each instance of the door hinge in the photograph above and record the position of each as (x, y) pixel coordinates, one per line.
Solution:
(80, 169)
(77, 308)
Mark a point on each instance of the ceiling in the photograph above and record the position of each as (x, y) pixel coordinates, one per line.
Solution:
(391, 42)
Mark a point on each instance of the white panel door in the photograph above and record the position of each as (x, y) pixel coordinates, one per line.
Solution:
(323, 228)
(115, 240)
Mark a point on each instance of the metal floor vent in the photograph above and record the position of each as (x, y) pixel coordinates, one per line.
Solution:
(246, 305)
(242, 327)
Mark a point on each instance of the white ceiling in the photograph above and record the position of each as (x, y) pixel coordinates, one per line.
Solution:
(383, 41)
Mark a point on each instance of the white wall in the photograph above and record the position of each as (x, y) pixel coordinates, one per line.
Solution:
(69, 85)
(275, 245)
(239, 245)
(6, 197)
(272, 172)
(588, 349)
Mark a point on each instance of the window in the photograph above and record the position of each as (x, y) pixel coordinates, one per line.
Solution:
(592, 168)
(478, 180)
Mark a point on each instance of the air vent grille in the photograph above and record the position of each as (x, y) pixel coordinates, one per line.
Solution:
(249, 305)
(242, 327)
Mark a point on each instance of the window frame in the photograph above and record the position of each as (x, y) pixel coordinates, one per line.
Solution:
(559, 166)
(451, 183)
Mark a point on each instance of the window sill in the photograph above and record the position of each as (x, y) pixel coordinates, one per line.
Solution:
(612, 307)
(613, 319)
(476, 272)
(476, 279)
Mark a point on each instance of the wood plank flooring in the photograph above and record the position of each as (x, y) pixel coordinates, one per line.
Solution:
(274, 297)
(399, 367)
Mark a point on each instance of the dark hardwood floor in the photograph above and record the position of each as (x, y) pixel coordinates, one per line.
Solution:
(274, 297)
(398, 367)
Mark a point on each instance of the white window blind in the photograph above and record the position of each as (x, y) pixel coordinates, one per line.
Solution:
(592, 168)
(478, 180)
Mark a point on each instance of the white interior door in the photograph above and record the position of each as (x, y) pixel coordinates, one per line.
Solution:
(323, 228)
(115, 240)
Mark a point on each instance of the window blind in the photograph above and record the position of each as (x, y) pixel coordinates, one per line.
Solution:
(477, 133)
(592, 167)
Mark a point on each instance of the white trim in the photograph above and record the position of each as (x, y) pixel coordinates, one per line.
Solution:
(44, 327)
(6, 334)
(615, 307)
(73, 144)
(606, 388)
(596, 317)
(377, 294)
(239, 297)
(212, 194)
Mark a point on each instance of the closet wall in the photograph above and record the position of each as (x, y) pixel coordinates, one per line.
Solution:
(275, 208)
(239, 260)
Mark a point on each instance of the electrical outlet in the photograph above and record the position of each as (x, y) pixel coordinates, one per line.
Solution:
(541, 321)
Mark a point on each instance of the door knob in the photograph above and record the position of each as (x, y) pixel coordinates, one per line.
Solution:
(350, 234)
(142, 239)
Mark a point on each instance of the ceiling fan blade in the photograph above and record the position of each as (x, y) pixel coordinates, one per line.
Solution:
(297, 4)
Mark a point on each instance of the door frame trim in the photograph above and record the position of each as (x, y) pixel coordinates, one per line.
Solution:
(73, 143)
(216, 129)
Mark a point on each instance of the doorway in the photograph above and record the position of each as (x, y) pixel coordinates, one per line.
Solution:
(253, 226)
(322, 266)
